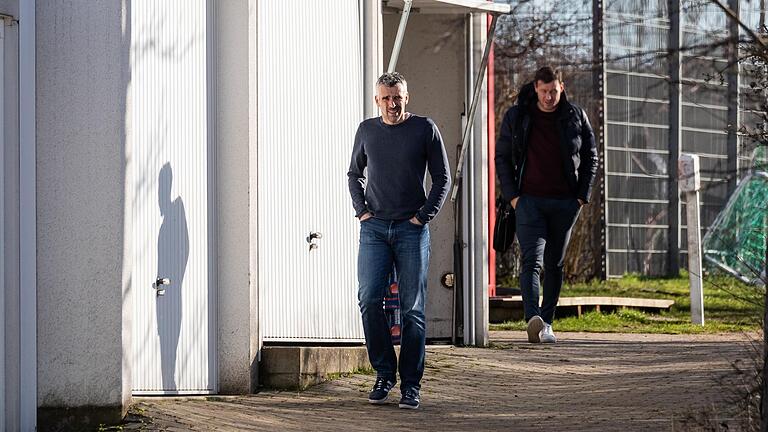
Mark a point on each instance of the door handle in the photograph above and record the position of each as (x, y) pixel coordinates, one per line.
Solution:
(159, 285)
(311, 238)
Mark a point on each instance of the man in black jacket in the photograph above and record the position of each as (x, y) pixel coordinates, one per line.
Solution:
(546, 160)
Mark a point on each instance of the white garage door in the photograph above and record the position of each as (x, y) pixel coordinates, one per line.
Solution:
(310, 101)
(173, 333)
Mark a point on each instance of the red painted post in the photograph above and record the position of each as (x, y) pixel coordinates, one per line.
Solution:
(491, 173)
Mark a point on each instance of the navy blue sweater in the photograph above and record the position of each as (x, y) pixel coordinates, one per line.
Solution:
(392, 187)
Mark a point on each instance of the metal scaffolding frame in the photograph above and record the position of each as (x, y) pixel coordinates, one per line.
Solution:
(657, 103)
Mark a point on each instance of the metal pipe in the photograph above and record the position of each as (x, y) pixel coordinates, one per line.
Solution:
(732, 73)
(727, 269)
(400, 36)
(598, 86)
(675, 135)
(467, 196)
(473, 107)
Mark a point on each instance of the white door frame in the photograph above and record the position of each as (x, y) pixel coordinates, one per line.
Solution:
(213, 274)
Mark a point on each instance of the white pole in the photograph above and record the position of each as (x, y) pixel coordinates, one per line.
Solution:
(694, 257)
(467, 258)
(477, 176)
(400, 35)
(690, 183)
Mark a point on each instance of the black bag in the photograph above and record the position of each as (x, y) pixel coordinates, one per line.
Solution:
(504, 230)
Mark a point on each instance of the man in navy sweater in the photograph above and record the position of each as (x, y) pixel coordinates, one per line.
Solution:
(546, 161)
(386, 180)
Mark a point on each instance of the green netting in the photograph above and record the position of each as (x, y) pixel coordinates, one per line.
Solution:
(736, 241)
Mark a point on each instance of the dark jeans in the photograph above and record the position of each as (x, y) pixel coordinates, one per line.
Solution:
(406, 245)
(543, 230)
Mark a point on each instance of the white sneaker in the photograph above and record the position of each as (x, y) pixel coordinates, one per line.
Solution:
(547, 335)
(535, 326)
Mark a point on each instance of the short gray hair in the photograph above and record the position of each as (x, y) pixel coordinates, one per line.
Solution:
(391, 79)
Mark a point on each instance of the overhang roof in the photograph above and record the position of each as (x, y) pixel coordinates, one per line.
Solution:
(447, 6)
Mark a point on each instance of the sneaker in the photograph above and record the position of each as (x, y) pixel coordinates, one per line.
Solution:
(547, 335)
(380, 391)
(410, 399)
(535, 325)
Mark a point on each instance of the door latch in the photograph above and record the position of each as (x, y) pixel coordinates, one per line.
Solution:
(160, 284)
(311, 238)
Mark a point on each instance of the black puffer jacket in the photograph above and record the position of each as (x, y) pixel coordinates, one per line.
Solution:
(577, 142)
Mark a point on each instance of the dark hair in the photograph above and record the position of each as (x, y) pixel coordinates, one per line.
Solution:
(391, 79)
(547, 74)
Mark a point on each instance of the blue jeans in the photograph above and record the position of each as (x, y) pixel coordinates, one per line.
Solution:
(405, 245)
(543, 230)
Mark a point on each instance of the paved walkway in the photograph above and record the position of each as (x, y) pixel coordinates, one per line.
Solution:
(586, 381)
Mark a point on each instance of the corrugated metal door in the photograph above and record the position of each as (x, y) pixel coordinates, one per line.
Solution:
(310, 101)
(173, 333)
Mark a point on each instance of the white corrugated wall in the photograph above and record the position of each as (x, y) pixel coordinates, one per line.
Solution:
(173, 345)
(310, 101)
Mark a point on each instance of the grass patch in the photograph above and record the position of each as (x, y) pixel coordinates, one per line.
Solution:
(729, 306)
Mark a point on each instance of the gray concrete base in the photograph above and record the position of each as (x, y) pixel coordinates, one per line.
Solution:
(78, 419)
(300, 367)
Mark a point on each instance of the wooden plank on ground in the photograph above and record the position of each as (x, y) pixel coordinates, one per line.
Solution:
(599, 301)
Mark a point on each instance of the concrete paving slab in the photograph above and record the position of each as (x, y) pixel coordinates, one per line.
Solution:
(585, 382)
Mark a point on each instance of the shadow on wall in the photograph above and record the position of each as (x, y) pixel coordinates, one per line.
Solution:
(172, 257)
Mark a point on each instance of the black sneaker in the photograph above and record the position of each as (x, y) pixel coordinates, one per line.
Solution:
(410, 399)
(380, 391)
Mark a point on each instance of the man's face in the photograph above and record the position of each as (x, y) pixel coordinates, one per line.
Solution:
(391, 102)
(548, 94)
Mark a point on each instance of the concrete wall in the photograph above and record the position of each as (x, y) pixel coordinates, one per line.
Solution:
(83, 261)
(82, 76)
(236, 350)
(9, 7)
(434, 65)
(84, 284)
(253, 182)
(373, 42)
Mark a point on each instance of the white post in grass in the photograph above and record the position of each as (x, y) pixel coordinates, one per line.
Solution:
(690, 183)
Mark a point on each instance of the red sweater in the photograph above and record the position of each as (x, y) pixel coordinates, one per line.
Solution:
(543, 174)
